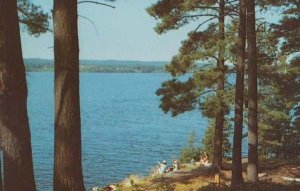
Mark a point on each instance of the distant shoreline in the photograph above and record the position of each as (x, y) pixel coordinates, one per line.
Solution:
(116, 72)
(100, 66)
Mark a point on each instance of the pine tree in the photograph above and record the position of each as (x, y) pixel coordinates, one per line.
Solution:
(35, 22)
(237, 177)
(1, 183)
(278, 77)
(207, 142)
(218, 137)
(15, 138)
(289, 31)
(33, 18)
(252, 169)
(203, 45)
(291, 46)
(67, 151)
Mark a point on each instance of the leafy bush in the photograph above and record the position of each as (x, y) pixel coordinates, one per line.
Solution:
(208, 139)
(191, 151)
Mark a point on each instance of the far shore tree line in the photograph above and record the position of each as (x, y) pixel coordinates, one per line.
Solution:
(100, 66)
(265, 97)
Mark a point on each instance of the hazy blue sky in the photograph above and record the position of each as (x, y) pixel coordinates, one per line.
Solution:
(124, 33)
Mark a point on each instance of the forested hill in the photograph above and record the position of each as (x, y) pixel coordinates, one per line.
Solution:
(104, 66)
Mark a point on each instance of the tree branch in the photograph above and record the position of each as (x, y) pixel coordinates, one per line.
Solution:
(30, 22)
(206, 7)
(203, 24)
(216, 58)
(199, 15)
(206, 92)
(97, 3)
(91, 23)
(230, 2)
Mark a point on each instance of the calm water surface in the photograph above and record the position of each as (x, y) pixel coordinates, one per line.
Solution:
(123, 130)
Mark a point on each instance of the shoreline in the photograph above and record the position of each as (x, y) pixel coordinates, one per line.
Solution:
(272, 176)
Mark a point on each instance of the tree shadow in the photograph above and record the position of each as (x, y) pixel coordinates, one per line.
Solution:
(186, 176)
(253, 187)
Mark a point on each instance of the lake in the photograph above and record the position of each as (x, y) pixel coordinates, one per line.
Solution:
(123, 129)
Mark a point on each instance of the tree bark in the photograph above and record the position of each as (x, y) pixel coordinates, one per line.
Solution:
(67, 161)
(218, 136)
(1, 183)
(237, 177)
(252, 169)
(15, 138)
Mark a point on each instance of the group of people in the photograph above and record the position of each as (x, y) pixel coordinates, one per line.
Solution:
(204, 161)
(163, 168)
(110, 188)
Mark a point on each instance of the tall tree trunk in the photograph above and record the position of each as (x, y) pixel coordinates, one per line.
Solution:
(252, 94)
(237, 177)
(15, 139)
(218, 136)
(67, 161)
(1, 183)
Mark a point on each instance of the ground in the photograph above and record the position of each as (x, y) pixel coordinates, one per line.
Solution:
(203, 179)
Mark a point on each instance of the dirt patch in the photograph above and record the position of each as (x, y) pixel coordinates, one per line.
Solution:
(276, 174)
(200, 177)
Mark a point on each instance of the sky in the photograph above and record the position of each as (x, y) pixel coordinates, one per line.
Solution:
(124, 33)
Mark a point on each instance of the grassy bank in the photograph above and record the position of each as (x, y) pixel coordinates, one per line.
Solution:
(193, 178)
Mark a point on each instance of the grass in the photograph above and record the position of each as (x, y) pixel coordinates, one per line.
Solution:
(252, 187)
(203, 179)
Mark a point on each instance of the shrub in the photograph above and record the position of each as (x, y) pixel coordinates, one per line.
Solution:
(208, 139)
(191, 151)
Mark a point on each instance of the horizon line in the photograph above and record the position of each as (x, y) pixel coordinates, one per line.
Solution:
(52, 59)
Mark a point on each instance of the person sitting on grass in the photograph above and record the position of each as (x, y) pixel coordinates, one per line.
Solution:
(110, 188)
(162, 167)
(175, 165)
(204, 161)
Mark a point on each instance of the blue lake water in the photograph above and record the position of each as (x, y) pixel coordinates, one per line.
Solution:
(123, 130)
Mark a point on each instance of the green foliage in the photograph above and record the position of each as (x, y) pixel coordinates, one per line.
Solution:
(35, 20)
(279, 89)
(208, 139)
(214, 105)
(178, 96)
(289, 28)
(207, 78)
(177, 13)
(278, 70)
(202, 46)
(191, 151)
